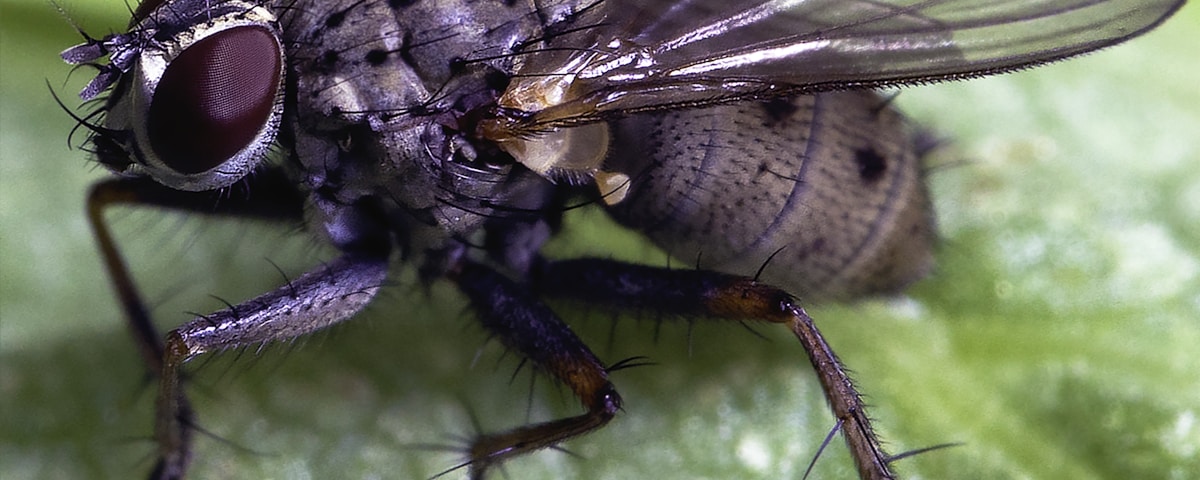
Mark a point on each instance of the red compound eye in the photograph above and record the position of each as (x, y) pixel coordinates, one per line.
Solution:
(214, 98)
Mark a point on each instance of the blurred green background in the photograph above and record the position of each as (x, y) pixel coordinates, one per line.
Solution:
(1057, 339)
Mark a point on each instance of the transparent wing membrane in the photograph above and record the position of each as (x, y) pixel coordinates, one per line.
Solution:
(656, 55)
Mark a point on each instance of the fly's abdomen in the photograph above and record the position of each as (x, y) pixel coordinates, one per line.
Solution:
(833, 182)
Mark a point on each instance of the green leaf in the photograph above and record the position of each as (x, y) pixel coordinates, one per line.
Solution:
(1057, 338)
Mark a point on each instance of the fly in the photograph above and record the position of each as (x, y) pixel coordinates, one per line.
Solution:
(454, 134)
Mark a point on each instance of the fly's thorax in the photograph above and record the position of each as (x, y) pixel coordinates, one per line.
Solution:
(833, 182)
(377, 85)
(349, 98)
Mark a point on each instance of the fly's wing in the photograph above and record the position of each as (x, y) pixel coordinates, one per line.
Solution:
(624, 56)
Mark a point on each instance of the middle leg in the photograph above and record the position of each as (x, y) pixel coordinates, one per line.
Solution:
(706, 294)
(524, 324)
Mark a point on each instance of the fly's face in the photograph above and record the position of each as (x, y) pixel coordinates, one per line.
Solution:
(198, 94)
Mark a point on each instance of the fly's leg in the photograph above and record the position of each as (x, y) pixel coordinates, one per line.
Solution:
(270, 196)
(317, 299)
(524, 324)
(704, 294)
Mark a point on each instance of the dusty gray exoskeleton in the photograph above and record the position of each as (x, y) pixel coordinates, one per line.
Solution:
(453, 134)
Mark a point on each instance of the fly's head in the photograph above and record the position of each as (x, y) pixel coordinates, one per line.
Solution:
(367, 99)
(195, 92)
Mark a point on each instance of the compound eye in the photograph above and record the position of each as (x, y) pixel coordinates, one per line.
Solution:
(214, 98)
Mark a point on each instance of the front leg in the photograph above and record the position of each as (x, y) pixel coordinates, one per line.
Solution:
(269, 195)
(322, 297)
(318, 299)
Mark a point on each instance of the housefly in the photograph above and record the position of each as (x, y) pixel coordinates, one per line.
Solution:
(454, 135)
